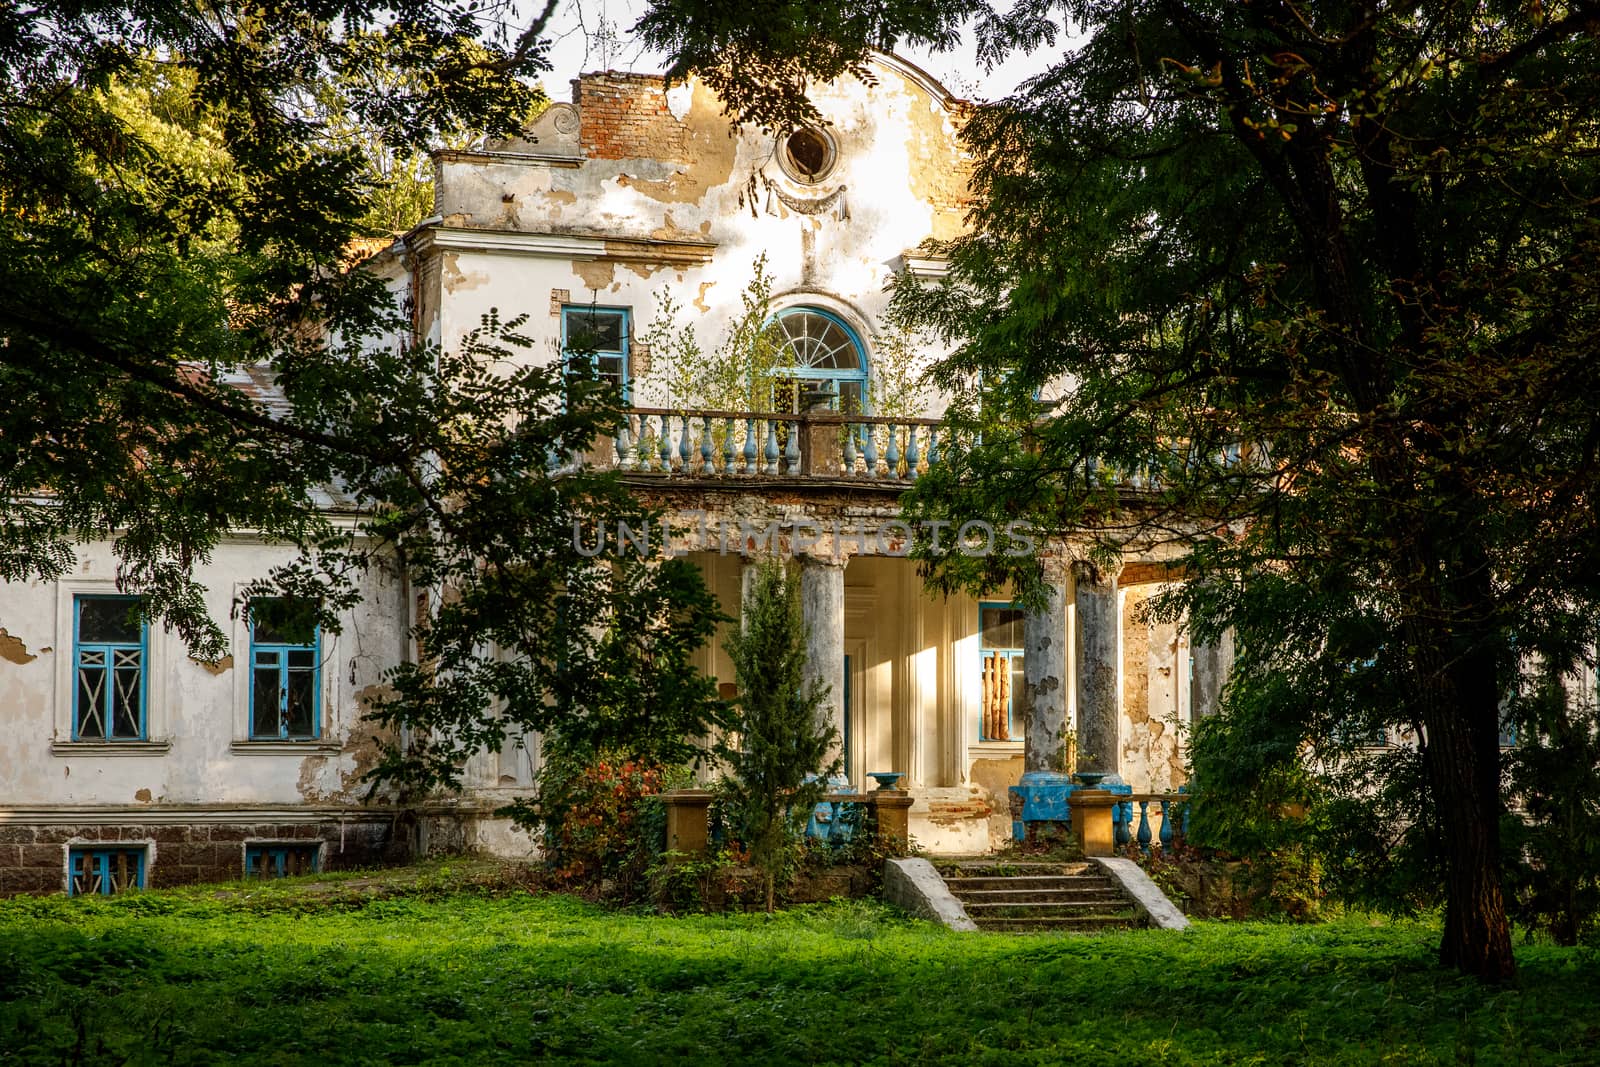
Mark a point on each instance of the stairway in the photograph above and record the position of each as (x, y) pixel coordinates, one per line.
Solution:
(1069, 897)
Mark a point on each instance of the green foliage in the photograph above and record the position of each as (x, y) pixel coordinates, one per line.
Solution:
(471, 488)
(741, 372)
(509, 977)
(759, 59)
(1552, 833)
(1325, 277)
(175, 208)
(777, 745)
(601, 827)
(398, 173)
(898, 387)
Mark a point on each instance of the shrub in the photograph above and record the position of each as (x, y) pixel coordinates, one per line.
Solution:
(1553, 842)
(601, 827)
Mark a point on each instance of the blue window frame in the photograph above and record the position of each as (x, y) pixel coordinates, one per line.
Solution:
(280, 859)
(1000, 652)
(104, 871)
(110, 650)
(819, 346)
(285, 672)
(604, 335)
(1359, 734)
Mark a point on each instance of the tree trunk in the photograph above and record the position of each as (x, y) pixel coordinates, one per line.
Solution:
(1460, 710)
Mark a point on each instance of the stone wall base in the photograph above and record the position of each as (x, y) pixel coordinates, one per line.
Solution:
(34, 858)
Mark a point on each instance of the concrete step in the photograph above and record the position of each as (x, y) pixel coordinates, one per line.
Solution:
(1009, 869)
(1009, 896)
(1045, 907)
(1056, 896)
(1069, 924)
(1043, 882)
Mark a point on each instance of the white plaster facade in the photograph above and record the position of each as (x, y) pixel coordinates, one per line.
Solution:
(603, 202)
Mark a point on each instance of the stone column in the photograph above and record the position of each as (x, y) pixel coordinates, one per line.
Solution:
(1044, 673)
(1211, 665)
(1096, 606)
(822, 604)
(747, 580)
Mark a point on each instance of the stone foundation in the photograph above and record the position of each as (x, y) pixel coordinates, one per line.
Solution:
(33, 858)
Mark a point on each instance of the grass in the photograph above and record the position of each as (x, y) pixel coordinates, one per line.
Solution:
(285, 974)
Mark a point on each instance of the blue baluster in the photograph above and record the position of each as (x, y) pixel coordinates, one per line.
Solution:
(772, 447)
(727, 446)
(1183, 814)
(1167, 811)
(870, 450)
(911, 452)
(791, 452)
(1144, 827)
(685, 447)
(849, 450)
(749, 446)
(666, 445)
(891, 457)
(706, 449)
(1121, 815)
(933, 446)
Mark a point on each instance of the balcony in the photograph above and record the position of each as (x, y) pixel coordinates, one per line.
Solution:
(748, 446)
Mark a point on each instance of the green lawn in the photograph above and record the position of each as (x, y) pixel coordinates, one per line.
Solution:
(277, 976)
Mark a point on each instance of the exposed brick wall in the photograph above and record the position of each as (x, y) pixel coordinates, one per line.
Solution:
(32, 859)
(625, 116)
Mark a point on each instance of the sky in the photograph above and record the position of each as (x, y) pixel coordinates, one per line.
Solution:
(581, 44)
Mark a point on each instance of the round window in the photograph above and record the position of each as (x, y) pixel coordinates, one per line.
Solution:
(808, 154)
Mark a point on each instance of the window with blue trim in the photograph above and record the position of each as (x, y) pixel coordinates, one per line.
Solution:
(104, 871)
(285, 671)
(602, 334)
(280, 859)
(1360, 731)
(819, 349)
(1000, 650)
(110, 646)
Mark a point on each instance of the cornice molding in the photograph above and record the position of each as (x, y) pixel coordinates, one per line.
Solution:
(570, 246)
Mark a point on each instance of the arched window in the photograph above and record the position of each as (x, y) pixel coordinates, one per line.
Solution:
(819, 348)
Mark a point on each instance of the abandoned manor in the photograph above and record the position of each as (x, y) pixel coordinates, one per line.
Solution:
(125, 762)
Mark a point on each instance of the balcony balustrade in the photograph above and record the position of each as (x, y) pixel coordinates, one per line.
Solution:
(674, 443)
(741, 444)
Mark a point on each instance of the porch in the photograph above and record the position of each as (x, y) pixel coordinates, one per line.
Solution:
(961, 695)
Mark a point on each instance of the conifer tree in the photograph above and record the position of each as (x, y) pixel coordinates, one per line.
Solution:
(778, 746)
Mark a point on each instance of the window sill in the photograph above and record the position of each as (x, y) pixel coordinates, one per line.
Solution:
(995, 748)
(110, 748)
(283, 748)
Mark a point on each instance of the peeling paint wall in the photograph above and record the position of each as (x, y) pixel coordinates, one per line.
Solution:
(1153, 720)
(659, 189)
(630, 188)
(197, 713)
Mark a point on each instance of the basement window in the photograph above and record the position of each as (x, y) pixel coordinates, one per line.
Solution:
(280, 860)
(105, 871)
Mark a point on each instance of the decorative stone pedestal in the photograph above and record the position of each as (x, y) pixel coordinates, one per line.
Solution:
(1091, 821)
(687, 828)
(893, 811)
(1039, 806)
